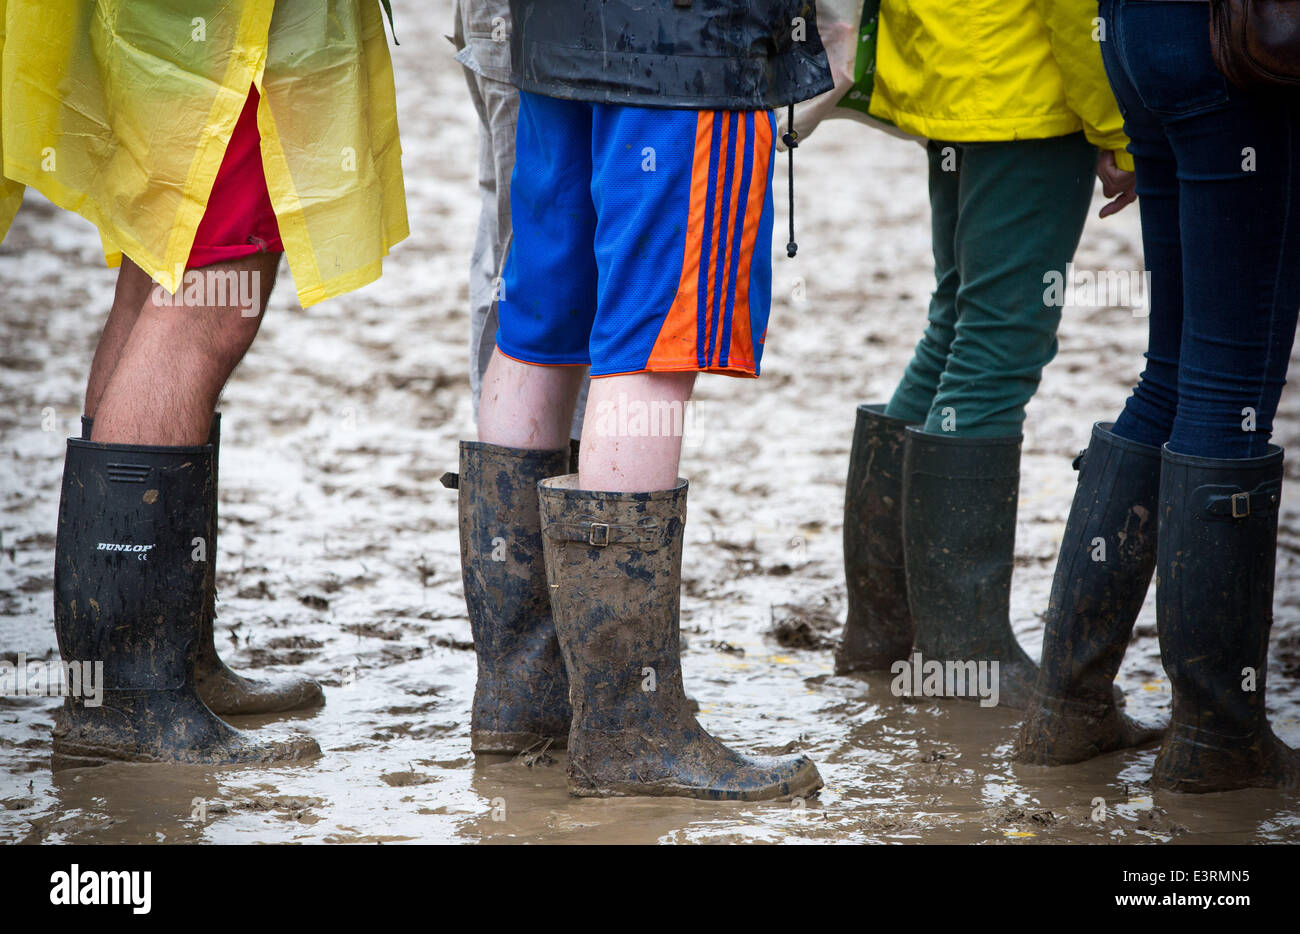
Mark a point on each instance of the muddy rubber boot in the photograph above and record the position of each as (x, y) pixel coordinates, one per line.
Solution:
(223, 690)
(614, 562)
(129, 593)
(1214, 609)
(959, 535)
(1107, 557)
(575, 448)
(521, 698)
(878, 628)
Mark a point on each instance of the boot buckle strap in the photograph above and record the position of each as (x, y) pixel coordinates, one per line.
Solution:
(1225, 502)
(604, 534)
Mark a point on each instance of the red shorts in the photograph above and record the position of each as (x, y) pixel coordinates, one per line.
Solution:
(239, 220)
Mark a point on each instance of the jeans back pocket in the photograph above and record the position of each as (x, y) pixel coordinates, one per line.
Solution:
(1166, 48)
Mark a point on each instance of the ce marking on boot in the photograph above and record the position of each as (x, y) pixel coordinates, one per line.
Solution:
(141, 552)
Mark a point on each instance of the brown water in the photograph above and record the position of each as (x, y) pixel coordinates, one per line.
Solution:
(338, 555)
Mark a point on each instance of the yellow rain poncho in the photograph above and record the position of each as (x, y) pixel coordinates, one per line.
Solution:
(120, 110)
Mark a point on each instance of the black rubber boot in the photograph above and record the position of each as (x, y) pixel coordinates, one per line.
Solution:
(959, 535)
(878, 629)
(521, 699)
(129, 593)
(614, 562)
(223, 690)
(575, 452)
(1214, 606)
(1107, 557)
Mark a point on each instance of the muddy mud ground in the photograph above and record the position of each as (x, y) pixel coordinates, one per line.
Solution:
(338, 550)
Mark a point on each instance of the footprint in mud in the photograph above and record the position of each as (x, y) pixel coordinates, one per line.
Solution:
(406, 779)
(285, 807)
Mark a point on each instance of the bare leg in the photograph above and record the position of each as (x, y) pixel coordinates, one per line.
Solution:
(132, 292)
(527, 406)
(632, 435)
(174, 363)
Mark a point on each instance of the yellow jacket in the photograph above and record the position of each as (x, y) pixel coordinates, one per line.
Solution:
(991, 70)
(120, 110)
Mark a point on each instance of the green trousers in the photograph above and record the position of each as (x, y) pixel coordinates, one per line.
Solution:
(1003, 215)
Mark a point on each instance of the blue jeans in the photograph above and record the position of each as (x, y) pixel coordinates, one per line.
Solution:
(1218, 180)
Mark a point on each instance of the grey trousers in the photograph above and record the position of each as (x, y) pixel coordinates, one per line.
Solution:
(482, 37)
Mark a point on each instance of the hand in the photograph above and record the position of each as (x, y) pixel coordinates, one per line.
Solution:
(1115, 183)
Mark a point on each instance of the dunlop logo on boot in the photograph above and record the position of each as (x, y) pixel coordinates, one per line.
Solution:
(140, 551)
(128, 473)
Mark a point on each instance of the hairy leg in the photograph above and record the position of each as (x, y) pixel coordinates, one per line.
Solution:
(133, 286)
(632, 435)
(175, 361)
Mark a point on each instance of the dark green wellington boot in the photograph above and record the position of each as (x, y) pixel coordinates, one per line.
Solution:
(1214, 609)
(878, 629)
(959, 535)
(614, 562)
(521, 698)
(129, 593)
(1107, 557)
(223, 690)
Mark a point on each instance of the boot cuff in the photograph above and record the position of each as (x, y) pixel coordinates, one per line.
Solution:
(159, 449)
(599, 518)
(567, 487)
(875, 412)
(1102, 431)
(500, 450)
(1273, 458)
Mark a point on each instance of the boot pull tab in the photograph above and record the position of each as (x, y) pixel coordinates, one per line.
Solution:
(791, 140)
(1077, 463)
(451, 480)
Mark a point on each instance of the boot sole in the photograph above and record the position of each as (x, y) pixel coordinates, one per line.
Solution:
(79, 756)
(241, 702)
(87, 757)
(483, 742)
(803, 785)
(253, 709)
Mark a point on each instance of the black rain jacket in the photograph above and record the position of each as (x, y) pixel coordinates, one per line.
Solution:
(680, 54)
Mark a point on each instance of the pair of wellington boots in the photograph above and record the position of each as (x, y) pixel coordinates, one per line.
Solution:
(134, 589)
(1207, 527)
(929, 546)
(573, 598)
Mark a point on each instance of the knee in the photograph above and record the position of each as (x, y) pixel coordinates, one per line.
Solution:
(206, 340)
(217, 313)
(230, 336)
